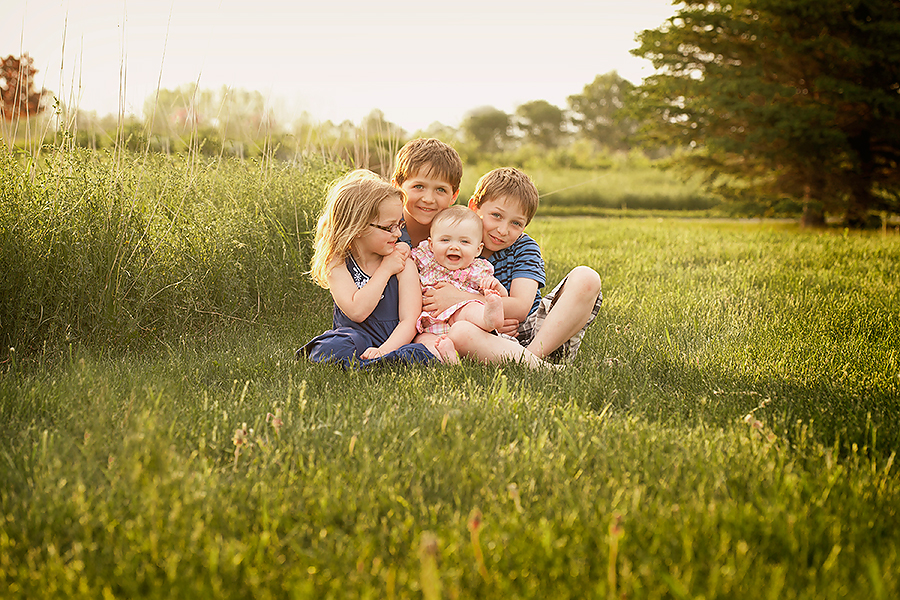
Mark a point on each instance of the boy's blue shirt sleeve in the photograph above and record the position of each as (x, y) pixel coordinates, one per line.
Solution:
(521, 260)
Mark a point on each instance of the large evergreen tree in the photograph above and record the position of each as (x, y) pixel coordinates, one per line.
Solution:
(799, 97)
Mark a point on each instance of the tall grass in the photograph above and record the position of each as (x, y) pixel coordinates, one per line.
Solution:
(120, 247)
(728, 429)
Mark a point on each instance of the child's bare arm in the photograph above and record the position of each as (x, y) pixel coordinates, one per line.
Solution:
(409, 309)
(358, 303)
(443, 295)
(521, 297)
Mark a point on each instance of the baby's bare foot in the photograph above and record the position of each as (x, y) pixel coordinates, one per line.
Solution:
(493, 310)
(447, 350)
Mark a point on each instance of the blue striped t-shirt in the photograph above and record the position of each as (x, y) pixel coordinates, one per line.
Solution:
(521, 259)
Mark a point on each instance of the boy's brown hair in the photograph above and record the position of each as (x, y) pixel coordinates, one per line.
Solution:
(428, 156)
(510, 183)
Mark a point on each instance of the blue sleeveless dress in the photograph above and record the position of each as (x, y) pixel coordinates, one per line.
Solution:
(347, 339)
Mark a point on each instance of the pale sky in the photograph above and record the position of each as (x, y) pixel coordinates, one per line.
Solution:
(417, 61)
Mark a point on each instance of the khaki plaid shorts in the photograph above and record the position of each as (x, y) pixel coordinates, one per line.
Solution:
(532, 323)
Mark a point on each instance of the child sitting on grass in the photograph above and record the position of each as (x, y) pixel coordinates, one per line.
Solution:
(429, 171)
(450, 254)
(373, 282)
(549, 327)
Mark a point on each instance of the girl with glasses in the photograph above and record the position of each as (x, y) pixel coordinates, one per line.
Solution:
(372, 280)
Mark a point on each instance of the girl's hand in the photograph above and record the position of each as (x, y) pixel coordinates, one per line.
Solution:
(371, 353)
(396, 260)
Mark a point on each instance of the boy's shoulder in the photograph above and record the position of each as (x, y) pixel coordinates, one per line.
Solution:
(404, 234)
(524, 245)
(521, 258)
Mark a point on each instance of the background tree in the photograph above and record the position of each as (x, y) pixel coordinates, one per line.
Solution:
(18, 97)
(798, 97)
(488, 127)
(541, 123)
(599, 114)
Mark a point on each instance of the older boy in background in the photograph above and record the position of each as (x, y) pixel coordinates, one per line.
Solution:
(429, 171)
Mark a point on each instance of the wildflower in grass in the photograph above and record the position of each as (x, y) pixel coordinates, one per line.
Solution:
(240, 440)
(752, 421)
(430, 579)
(474, 531)
(616, 531)
(277, 422)
(757, 426)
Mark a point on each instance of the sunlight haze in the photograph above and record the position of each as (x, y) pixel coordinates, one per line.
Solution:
(417, 62)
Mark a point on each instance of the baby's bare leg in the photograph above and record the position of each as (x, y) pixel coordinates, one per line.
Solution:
(439, 345)
(429, 340)
(488, 315)
(493, 310)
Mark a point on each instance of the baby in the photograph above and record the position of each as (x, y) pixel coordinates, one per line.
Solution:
(451, 255)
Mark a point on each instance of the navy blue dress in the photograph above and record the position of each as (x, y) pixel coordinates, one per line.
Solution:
(347, 339)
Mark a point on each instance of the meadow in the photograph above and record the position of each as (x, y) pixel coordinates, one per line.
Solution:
(728, 430)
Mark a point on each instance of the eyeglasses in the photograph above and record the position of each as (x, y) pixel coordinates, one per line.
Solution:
(394, 228)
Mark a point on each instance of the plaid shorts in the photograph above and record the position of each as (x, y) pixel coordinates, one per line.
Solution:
(532, 323)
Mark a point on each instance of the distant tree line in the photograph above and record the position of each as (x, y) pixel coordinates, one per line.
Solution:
(236, 122)
(773, 100)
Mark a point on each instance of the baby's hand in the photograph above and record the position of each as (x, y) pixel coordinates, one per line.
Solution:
(371, 353)
(494, 284)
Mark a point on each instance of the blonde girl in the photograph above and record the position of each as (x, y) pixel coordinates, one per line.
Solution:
(373, 282)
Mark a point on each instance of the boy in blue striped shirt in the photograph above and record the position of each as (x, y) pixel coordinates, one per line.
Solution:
(549, 327)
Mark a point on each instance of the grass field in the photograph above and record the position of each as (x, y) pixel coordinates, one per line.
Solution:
(623, 185)
(729, 428)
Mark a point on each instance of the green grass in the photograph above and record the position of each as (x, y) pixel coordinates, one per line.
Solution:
(728, 430)
(609, 191)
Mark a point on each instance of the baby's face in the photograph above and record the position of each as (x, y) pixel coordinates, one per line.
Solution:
(456, 245)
